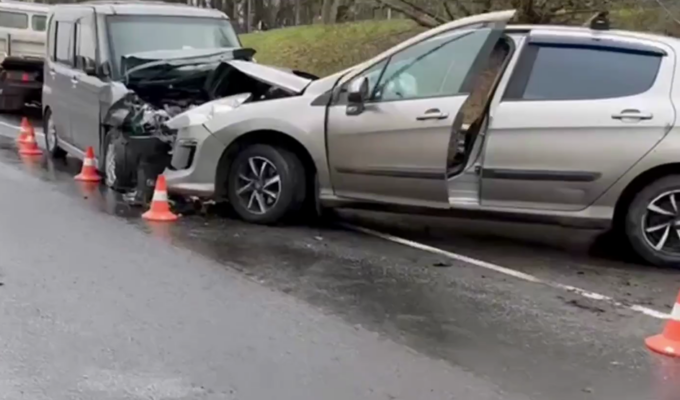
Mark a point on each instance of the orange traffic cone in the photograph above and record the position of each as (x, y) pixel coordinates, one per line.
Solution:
(668, 342)
(160, 209)
(24, 131)
(89, 172)
(28, 146)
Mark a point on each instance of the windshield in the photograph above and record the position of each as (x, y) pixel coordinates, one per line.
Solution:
(135, 34)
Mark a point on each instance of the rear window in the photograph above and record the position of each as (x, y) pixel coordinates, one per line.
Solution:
(582, 73)
(39, 23)
(13, 20)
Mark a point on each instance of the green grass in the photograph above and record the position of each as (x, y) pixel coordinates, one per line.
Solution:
(325, 49)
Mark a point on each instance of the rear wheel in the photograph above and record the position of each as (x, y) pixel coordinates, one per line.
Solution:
(653, 222)
(51, 137)
(117, 162)
(266, 184)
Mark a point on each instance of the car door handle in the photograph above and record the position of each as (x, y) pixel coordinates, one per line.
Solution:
(433, 113)
(633, 114)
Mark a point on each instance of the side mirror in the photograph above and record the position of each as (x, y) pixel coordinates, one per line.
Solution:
(86, 65)
(104, 70)
(356, 96)
(358, 91)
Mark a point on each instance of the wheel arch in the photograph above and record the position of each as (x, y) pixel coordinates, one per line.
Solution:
(639, 183)
(270, 137)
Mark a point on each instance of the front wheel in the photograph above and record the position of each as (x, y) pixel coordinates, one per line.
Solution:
(266, 184)
(653, 222)
(117, 162)
(51, 137)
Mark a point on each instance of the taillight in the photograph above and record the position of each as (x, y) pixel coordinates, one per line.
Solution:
(25, 77)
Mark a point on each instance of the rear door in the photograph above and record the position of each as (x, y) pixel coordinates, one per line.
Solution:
(396, 149)
(578, 112)
(86, 88)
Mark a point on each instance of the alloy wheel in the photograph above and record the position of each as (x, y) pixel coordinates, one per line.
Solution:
(110, 165)
(661, 222)
(259, 185)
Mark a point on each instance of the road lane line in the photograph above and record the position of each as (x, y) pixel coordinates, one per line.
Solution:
(16, 127)
(510, 272)
(3, 123)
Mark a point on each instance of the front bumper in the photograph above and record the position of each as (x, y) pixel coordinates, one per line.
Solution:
(195, 156)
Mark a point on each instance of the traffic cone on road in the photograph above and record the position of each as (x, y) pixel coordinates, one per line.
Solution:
(24, 131)
(668, 342)
(160, 208)
(27, 145)
(89, 171)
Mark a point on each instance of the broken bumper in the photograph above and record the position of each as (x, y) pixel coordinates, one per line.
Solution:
(195, 156)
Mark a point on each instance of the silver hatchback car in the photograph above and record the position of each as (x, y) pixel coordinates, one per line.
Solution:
(567, 125)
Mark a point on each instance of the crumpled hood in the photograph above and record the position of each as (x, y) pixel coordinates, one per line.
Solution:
(275, 76)
(136, 62)
(201, 114)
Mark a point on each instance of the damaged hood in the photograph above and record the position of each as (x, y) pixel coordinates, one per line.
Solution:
(279, 77)
(203, 113)
(136, 62)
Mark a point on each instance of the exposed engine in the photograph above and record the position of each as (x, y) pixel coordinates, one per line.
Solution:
(153, 100)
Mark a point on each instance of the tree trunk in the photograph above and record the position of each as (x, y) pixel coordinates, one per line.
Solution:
(298, 6)
(326, 10)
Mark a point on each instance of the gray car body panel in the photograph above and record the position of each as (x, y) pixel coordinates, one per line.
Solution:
(87, 111)
(576, 201)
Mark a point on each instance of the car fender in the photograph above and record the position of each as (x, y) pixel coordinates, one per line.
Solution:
(294, 116)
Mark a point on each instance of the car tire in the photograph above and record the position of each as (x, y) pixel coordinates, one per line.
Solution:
(652, 222)
(51, 137)
(266, 184)
(117, 163)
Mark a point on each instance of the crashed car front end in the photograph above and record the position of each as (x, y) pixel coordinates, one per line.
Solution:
(194, 141)
(162, 108)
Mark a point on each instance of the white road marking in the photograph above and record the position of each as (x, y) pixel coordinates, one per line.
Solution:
(16, 127)
(510, 272)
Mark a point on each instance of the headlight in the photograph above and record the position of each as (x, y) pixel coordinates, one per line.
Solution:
(205, 112)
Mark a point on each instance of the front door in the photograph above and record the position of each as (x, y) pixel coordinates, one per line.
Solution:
(395, 150)
(86, 86)
(578, 112)
(58, 71)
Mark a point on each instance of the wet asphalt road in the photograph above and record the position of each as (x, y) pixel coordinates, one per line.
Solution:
(97, 304)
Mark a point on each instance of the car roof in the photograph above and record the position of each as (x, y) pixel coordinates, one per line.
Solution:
(133, 7)
(21, 6)
(575, 30)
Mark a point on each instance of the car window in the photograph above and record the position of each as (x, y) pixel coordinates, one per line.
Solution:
(38, 22)
(581, 73)
(52, 39)
(13, 20)
(167, 33)
(64, 53)
(438, 66)
(85, 39)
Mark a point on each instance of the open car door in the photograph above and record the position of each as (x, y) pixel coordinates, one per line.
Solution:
(390, 122)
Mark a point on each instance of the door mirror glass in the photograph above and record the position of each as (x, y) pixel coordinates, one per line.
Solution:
(358, 91)
(86, 65)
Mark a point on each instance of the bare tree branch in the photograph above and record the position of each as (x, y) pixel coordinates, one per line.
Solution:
(461, 7)
(422, 20)
(667, 11)
(449, 12)
(423, 11)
